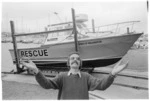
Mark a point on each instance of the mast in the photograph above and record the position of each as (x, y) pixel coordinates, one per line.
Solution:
(74, 30)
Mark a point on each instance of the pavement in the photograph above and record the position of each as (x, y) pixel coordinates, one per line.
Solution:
(26, 87)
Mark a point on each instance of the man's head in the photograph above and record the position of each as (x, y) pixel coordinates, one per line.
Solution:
(74, 61)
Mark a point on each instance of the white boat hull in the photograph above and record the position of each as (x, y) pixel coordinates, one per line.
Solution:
(94, 52)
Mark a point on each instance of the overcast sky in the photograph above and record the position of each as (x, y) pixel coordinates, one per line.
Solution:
(34, 16)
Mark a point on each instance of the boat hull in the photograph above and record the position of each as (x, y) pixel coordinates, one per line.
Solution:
(97, 52)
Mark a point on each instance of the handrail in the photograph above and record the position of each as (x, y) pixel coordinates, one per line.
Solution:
(45, 32)
(118, 23)
(115, 24)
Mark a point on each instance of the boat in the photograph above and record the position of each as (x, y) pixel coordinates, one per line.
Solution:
(97, 47)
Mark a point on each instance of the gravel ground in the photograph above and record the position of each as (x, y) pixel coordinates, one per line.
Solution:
(12, 90)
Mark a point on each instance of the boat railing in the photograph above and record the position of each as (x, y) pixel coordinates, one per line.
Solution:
(116, 28)
(45, 32)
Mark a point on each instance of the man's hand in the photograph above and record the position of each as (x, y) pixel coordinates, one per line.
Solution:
(30, 65)
(118, 67)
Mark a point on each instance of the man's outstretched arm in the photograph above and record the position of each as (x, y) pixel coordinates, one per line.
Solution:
(104, 82)
(40, 78)
(100, 83)
(47, 83)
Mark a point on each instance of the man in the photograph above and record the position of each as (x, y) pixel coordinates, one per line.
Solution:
(75, 84)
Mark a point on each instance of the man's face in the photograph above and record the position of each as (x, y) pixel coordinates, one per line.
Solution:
(74, 61)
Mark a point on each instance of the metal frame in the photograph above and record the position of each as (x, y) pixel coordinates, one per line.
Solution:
(19, 70)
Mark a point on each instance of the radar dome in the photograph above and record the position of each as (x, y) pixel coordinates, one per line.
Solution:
(81, 17)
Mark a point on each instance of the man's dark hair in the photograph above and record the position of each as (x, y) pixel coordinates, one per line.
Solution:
(69, 60)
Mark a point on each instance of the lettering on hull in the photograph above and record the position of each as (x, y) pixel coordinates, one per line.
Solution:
(34, 53)
(90, 42)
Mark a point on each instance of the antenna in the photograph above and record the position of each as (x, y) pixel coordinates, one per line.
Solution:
(57, 16)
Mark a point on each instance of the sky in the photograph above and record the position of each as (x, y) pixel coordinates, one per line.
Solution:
(34, 16)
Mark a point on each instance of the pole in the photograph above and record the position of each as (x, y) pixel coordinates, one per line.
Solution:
(128, 32)
(74, 30)
(14, 45)
(93, 26)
